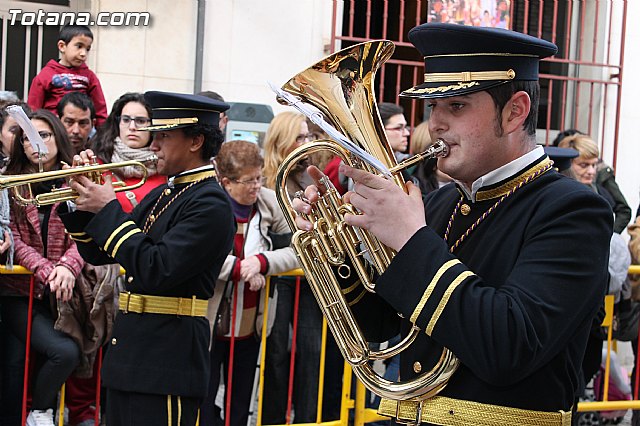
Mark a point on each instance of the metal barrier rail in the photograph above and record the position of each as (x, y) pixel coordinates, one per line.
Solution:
(21, 270)
(362, 415)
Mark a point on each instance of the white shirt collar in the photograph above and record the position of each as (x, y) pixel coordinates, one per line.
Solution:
(502, 172)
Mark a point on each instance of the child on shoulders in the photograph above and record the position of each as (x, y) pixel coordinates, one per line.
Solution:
(70, 74)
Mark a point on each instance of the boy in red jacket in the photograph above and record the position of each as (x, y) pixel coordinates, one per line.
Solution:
(71, 74)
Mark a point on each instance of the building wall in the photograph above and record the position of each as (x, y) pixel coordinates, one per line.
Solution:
(251, 42)
(628, 162)
(157, 57)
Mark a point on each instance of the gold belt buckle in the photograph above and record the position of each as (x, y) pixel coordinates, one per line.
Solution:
(414, 420)
(126, 307)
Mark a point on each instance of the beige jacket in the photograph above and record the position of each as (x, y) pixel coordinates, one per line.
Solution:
(268, 219)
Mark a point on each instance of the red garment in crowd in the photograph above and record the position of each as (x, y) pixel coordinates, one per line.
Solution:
(55, 80)
(246, 299)
(80, 397)
(61, 250)
(331, 170)
(140, 193)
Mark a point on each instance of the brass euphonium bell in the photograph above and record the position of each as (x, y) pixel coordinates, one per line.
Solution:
(341, 88)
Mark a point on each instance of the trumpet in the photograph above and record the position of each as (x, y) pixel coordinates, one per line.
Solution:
(57, 195)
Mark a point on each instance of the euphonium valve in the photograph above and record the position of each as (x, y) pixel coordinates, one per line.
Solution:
(341, 88)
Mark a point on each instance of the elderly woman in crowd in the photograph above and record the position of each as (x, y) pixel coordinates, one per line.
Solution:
(256, 253)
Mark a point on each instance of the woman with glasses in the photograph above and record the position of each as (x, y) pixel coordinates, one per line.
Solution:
(395, 126)
(120, 139)
(255, 254)
(42, 246)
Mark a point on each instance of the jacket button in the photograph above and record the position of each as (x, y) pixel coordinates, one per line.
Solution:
(130, 279)
(417, 367)
(114, 341)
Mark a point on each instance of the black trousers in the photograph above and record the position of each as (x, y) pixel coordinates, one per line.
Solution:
(245, 359)
(58, 352)
(134, 409)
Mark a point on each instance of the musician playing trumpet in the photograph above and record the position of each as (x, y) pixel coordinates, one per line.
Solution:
(509, 264)
(172, 245)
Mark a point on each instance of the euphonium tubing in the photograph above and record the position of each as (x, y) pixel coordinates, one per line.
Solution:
(328, 245)
(341, 87)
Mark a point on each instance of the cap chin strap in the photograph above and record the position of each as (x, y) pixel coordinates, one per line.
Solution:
(169, 121)
(466, 76)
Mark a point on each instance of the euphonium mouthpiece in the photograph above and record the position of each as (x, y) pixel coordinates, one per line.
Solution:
(438, 149)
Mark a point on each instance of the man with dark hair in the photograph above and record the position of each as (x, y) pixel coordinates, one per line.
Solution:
(509, 265)
(223, 116)
(172, 246)
(78, 115)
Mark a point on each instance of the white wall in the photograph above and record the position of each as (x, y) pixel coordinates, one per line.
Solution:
(628, 162)
(250, 42)
(137, 59)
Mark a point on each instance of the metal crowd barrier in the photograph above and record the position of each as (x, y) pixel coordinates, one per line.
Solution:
(21, 270)
(361, 414)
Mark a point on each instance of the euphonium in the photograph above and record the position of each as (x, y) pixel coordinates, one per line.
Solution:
(57, 195)
(341, 87)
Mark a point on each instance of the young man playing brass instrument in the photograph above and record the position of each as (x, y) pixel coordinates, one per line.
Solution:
(507, 266)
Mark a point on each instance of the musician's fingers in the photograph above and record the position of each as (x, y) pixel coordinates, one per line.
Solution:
(303, 223)
(77, 161)
(81, 181)
(364, 177)
(301, 206)
(316, 174)
(108, 179)
(87, 157)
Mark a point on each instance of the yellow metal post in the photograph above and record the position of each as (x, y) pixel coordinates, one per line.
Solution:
(263, 351)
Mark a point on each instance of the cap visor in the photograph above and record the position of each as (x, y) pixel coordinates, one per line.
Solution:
(160, 127)
(446, 90)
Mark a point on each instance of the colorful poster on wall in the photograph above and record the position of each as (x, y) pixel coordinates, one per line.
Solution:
(479, 13)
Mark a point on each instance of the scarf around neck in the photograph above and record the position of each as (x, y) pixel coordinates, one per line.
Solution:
(122, 152)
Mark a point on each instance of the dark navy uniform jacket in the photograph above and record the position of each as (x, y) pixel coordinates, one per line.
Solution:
(180, 256)
(514, 302)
